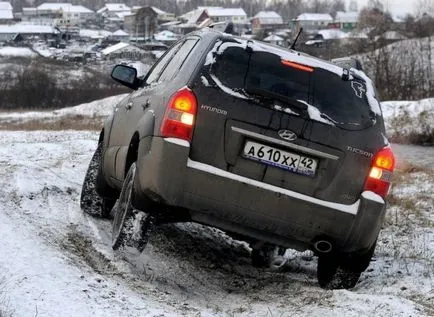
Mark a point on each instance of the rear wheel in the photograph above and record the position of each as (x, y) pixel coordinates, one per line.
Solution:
(131, 227)
(90, 202)
(342, 271)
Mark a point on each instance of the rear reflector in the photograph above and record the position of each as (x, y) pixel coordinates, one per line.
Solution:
(297, 66)
(380, 175)
(178, 121)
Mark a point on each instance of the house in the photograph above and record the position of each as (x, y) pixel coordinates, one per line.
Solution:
(119, 35)
(163, 16)
(267, 21)
(143, 23)
(63, 15)
(275, 39)
(312, 22)
(166, 37)
(6, 13)
(346, 21)
(94, 34)
(218, 14)
(113, 14)
(25, 30)
(125, 51)
(191, 21)
(111, 9)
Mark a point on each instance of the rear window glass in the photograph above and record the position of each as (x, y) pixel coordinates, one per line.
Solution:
(341, 102)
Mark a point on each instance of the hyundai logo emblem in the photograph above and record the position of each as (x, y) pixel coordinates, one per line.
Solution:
(287, 135)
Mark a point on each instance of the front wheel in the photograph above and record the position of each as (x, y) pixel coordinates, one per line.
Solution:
(131, 227)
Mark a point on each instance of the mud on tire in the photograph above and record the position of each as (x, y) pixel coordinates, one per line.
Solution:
(131, 227)
(90, 202)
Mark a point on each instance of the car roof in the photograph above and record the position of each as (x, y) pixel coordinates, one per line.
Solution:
(290, 54)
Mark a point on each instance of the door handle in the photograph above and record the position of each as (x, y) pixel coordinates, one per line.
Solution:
(129, 105)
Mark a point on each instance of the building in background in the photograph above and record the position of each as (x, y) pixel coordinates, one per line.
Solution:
(267, 21)
(142, 24)
(312, 22)
(6, 13)
(346, 21)
(63, 15)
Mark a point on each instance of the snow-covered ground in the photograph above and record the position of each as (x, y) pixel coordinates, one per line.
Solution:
(405, 119)
(55, 261)
(9, 51)
(90, 115)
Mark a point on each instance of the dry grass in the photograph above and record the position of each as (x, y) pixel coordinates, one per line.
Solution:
(77, 122)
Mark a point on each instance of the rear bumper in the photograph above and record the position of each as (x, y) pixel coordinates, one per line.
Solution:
(252, 208)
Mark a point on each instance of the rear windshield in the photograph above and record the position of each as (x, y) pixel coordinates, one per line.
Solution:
(337, 101)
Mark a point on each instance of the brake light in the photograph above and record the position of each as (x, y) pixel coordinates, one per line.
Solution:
(178, 121)
(380, 175)
(297, 66)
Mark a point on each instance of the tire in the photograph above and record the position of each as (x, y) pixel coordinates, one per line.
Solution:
(90, 202)
(263, 256)
(359, 262)
(131, 227)
(331, 275)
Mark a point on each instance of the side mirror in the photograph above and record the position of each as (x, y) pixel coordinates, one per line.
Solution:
(126, 76)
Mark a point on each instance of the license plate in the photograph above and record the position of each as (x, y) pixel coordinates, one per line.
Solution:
(289, 161)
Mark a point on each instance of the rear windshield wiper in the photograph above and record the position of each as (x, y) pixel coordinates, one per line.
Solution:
(275, 96)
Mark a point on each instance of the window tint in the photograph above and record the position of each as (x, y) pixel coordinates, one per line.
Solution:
(342, 101)
(178, 60)
(158, 68)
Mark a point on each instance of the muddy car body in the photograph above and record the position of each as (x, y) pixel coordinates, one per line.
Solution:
(274, 147)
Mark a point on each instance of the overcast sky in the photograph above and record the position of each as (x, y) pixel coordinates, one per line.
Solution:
(397, 7)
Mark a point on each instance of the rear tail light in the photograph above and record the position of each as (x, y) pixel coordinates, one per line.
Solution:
(179, 119)
(380, 175)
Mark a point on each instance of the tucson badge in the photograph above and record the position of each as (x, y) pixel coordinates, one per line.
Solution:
(287, 135)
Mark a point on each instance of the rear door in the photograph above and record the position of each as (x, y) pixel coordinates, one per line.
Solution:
(265, 117)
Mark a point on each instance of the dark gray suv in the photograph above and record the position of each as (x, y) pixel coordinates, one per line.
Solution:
(274, 147)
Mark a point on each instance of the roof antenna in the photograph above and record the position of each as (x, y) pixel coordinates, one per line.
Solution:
(296, 38)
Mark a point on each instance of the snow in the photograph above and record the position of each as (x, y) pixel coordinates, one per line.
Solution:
(347, 17)
(114, 48)
(165, 36)
(227, 90)
(116, 7)
(58, 262)
(94, 33)
(405, 118)
(6, 11)
(332, 34)
(16, 51)
(370, 94)
(273, 38)
(95, 109)
(226, 12)
(315, 114)
(268, 17)
(28, 28)
(314, 17)
(120, 33)
(64, 7)
(351, 209)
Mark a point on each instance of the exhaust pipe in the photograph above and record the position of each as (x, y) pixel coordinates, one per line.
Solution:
(277, 263)
(323, 246)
